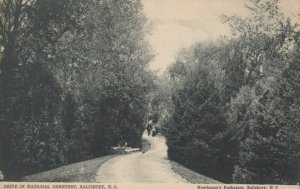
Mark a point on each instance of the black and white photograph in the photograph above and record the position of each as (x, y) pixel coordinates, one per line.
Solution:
(150, 91)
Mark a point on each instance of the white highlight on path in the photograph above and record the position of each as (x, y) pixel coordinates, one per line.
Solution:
(150, 167)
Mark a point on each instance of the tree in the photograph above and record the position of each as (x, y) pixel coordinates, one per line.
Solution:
(196, 129)
(31, 97)
(258, 114)
(235, 101)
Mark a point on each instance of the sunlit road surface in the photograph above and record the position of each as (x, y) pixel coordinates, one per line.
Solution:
(152, 166)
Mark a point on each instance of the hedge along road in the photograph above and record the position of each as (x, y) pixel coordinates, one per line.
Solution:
(152, 166)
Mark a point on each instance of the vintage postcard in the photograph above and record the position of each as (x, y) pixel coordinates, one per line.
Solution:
(111, 94)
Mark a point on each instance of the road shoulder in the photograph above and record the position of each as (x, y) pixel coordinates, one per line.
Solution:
(84, 171)
(190, 175)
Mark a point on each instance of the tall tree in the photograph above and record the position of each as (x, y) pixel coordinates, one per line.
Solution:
(257, 115)
(31, 96)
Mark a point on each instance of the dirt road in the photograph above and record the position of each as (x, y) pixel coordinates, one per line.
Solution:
(152, 166)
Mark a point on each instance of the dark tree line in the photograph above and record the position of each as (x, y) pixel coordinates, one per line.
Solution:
(73, 81)
(234, 104)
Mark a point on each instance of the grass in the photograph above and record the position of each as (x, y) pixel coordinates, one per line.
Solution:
(84, 171)
(192, 176)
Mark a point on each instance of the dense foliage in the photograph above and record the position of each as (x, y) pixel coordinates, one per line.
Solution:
(73, 81)
(234, 112)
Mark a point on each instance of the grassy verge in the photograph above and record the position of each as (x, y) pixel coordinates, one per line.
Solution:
(192, 176)
(84, 171)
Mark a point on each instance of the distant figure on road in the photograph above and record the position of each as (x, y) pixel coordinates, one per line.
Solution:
(149, 127)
